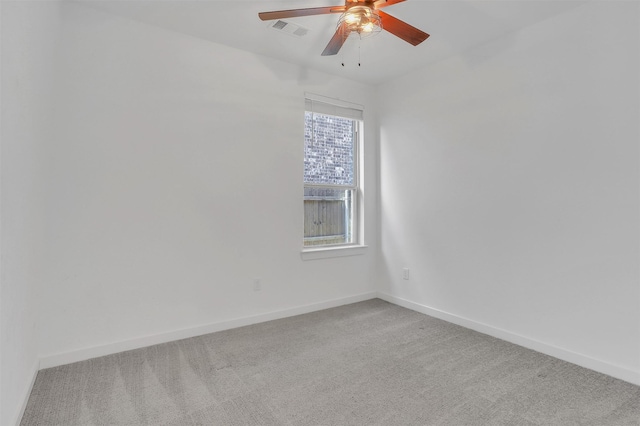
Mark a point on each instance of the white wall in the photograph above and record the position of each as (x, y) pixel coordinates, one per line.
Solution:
(174, 180)
(28, 44)
(510, 187)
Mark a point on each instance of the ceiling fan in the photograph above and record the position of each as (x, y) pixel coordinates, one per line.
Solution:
(361, 16)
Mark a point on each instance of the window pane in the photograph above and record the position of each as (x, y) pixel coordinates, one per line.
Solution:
(328, 149)
(328, 216)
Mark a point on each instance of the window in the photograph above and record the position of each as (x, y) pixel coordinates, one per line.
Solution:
(331, 174)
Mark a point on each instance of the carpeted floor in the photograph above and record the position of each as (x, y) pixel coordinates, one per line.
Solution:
(370, 363)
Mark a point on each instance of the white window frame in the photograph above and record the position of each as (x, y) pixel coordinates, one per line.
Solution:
(328, 106)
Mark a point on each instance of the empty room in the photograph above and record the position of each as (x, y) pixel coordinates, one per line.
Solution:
(319, 212)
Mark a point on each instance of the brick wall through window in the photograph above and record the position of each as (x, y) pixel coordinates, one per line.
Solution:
(328, 149)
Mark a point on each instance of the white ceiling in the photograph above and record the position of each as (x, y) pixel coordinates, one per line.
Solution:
(455, 26)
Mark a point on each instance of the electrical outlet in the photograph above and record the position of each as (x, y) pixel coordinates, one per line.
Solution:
(405, 273)
(257, 285)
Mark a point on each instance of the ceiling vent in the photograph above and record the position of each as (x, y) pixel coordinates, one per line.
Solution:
(289, 28)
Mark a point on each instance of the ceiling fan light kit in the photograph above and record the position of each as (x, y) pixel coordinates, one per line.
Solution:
(363, 17)
(362, 20)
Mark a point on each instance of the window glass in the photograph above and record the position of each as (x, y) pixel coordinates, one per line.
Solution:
(330, 180)
(328, 214)
(328, 149)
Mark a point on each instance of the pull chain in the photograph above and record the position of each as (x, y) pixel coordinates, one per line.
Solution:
(359, 53)
(344, 41)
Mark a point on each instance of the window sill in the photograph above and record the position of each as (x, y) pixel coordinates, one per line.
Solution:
(328, 252)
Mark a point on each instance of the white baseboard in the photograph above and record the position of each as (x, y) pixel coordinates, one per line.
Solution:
(545, 348)
(609, 369)
(26, 394)
(55, 360)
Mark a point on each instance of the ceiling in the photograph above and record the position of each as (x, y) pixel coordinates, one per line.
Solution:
(455, 26)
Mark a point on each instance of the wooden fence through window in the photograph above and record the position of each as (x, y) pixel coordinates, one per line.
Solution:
(324, 222)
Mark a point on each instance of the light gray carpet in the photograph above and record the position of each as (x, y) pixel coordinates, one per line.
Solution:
(370, 363)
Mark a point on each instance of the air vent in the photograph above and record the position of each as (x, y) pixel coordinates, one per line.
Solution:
(289, 28)
(279, 25)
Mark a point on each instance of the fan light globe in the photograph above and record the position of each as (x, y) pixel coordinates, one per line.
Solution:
(362, 20)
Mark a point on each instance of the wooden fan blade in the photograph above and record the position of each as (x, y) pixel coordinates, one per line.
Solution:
(336, 41)
(379, 4)
(401, 29)
(294, 13)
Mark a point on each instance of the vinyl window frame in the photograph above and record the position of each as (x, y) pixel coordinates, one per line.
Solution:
(346, 110)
